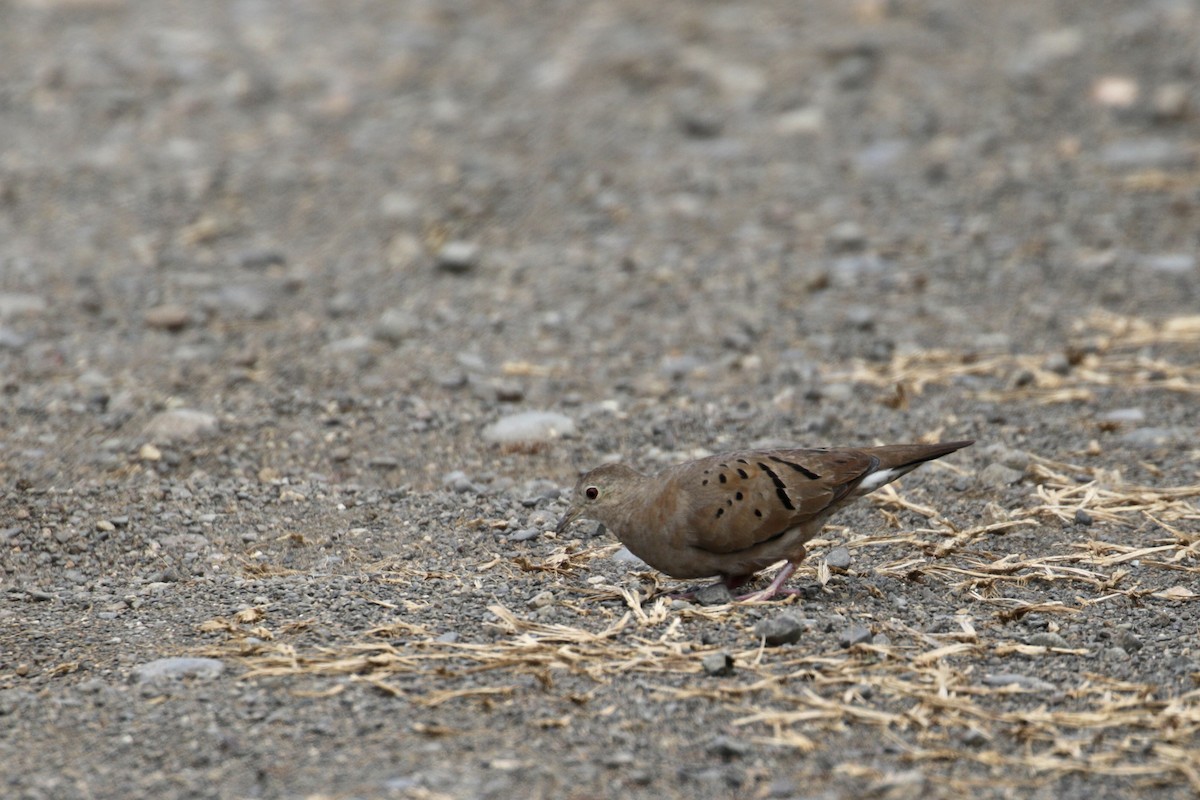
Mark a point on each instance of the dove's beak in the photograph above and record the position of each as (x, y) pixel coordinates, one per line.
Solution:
(567, 518)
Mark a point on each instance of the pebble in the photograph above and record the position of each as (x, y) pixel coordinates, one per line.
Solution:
(624, 556)
(1000, 679)
(20, 304)
(1171, 101)
(855, 634)
(838, 558)
(1123, 415)
(714, 594)
(717, 664)
(1115, 654)
(239, 301)
(529, 426)
(1145, 153)
(524, 535)
(785, 628)
(541, 599)
(458, 258)
(1083, 517)
(1048, 639)
(998, 476)
(458, 481)
(727, 748)
(169, 317)
(1170, 263)
(11, 340)
(395, 325)
(168, 668)
(846, 237)
(1129, 642)
(1153, 437)
(180, 425)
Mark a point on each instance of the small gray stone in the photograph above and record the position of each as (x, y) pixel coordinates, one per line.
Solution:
(458, 258)
(1170, 263)
(541, 599)
(396, 325)
(1000, 679)
(623, 556)
(1123, 415)
(785, 628)
(1145, 153)
(717, 664)
(998, 476)
(170, 668)
(727, 748)
(1151, 438)
(1083, 517)
(458, 481)
(20, 304)
(180, 425)
(1115, 654)
(714, 594)
(838, 558)
(1129, 642)
(168, 317)
(1048, 639)
(846, 237)
(529, 426)
(524, 535)
(239, 301)
(855, 634)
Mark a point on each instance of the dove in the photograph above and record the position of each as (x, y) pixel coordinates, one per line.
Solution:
(734, 514)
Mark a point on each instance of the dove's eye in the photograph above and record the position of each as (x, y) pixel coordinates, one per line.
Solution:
(591, 492)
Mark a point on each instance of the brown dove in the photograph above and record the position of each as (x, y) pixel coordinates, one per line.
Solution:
(734, 514)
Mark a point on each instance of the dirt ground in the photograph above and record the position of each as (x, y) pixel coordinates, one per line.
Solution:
(272, 273)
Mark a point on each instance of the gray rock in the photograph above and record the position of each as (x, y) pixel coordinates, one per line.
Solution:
(838, 558)
(1145, 153)
(998, 476)
(174, 668)
(458, 258)
(396, 325)
(524, 535)
(11, 340)
(623, 556)
(239, 301)
(1000, 679)
(1123, 415)
(846, 237)
(1170, 263)
(727, 748)
(1151, 438)
(1129, 642)
(20, 304)
(785, 628)
(717, 664)
(541, 599)
(1083, 518)
(1048, 639)
(458, 481)
(855, 634)
(1115, 654)
(529, 426)
(714, 594)
(169, 317)
(180, 425)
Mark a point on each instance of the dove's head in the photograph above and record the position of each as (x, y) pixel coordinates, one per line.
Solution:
(601, 493)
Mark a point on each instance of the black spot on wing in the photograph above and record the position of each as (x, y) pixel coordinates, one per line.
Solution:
(720, 512)
(780, 487)
(805, 471)
(742, 473)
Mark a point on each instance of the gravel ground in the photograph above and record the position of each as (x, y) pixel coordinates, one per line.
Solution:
(310, 313)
